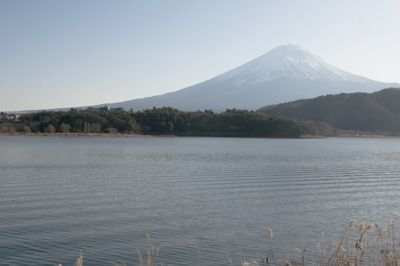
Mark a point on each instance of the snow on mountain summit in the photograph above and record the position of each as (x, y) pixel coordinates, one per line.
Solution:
(287, 61)
(286, 73)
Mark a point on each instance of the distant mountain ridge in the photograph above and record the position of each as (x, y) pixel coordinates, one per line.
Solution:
(285, 73)
(377, 112)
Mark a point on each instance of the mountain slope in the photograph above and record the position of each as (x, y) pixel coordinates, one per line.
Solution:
(285, 73)
(377, 112)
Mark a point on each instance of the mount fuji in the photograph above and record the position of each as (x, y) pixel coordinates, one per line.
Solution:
(286, 73)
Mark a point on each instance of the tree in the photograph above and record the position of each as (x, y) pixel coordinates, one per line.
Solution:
(94, 128)
(50, 129)
(64, 128)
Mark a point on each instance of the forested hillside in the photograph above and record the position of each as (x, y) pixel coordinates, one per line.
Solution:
(377, 112)
(156, 121)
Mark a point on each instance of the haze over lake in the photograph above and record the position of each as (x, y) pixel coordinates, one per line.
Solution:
(60, 196)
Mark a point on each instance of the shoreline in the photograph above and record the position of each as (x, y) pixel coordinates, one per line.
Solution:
(125, 135)
(89, 135)
(372, 136)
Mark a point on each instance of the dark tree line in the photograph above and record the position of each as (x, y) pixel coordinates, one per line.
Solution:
(74, 121)
(158, 121)
(229, 123)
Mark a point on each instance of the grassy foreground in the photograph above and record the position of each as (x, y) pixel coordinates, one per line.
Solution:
(360, 244)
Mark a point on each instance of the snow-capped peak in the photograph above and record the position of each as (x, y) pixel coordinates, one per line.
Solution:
(287, 61)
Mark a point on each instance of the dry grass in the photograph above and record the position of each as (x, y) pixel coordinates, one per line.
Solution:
(365, 245)
(362, 245)
(368, 246)
(152, 256)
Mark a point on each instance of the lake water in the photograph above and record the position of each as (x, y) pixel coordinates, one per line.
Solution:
(60, 196)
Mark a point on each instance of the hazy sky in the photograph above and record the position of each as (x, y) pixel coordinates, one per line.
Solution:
(86, 52)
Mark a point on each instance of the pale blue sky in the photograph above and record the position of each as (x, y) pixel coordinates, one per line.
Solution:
(87, 52)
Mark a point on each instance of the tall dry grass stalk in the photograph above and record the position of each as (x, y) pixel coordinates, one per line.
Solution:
(271, 234)
(198, 250)
(79, 261)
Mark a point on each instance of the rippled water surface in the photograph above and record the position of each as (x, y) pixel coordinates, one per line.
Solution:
(60, 196)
